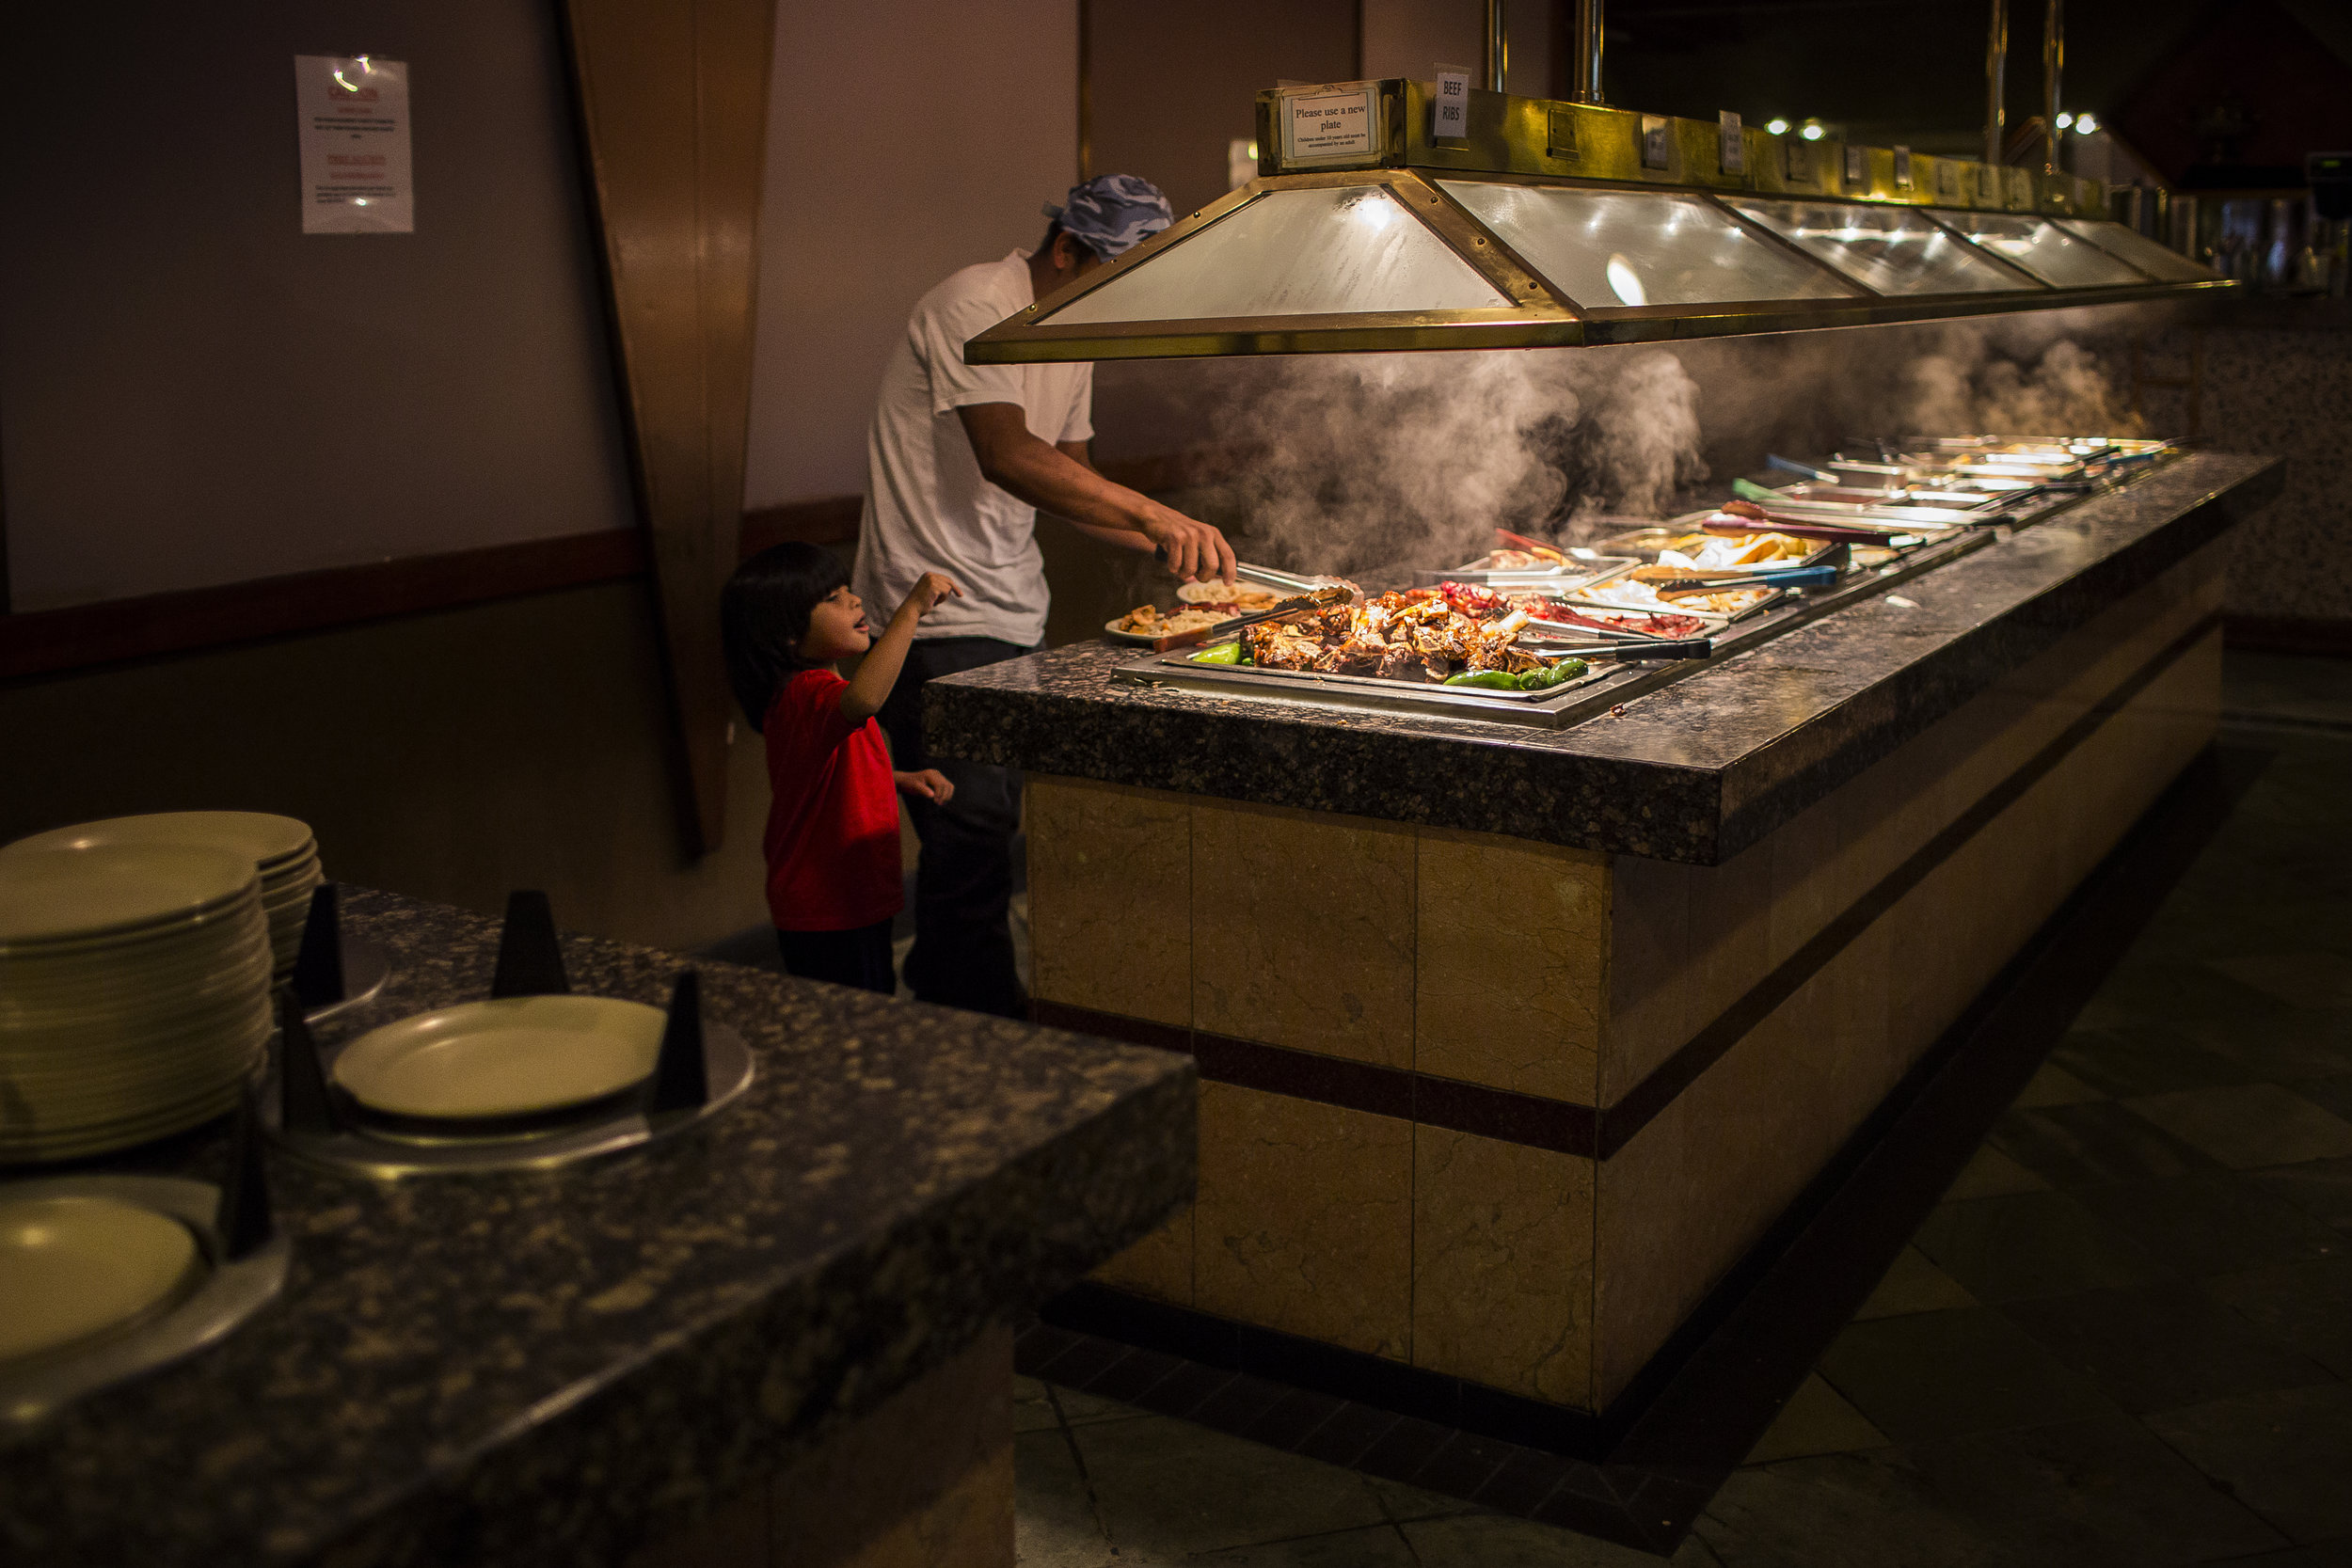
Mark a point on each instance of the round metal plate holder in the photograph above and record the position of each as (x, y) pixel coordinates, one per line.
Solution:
(385, 1155)
(366, 967)
(228, 1293)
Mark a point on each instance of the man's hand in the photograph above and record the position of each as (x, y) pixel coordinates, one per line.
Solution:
(1193, 550)
(1054, 479)
(930, 783)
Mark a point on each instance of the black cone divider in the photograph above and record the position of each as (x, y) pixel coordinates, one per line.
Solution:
(680, 1081)
(243, 1218)
(531, 961)
(318, 972)
(304, 1103)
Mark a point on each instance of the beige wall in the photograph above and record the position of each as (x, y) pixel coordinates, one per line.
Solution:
(1172, 86)
(1407, 38)
(193, 391)
(451, 757)
(907, 138)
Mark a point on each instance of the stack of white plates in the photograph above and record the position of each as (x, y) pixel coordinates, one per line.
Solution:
(280, 848)
(134, 993)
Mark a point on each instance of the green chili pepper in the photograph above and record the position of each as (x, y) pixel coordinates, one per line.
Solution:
(1551, 675)
(1493, 680)
(1224, 652)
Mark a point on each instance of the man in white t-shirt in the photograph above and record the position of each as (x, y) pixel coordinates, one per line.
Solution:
(959, 460)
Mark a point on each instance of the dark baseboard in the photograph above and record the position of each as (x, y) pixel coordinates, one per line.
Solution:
(2288, 634)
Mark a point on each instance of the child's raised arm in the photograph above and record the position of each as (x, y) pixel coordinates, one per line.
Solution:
(878, 670)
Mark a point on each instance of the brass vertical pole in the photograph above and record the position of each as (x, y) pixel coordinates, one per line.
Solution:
(1085, 91)
(1995, 72)
(1585, 63)
(2053, 59)
(1498, 47)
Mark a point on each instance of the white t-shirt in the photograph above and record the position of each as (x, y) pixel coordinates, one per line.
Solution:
(926, 507)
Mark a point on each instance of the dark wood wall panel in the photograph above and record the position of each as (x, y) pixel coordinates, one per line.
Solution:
(674, 106)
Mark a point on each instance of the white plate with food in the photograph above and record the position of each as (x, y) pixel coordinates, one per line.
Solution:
(1203, 605)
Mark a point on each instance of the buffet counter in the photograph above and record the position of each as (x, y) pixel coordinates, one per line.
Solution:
(783, 1336)
(1514, 1041)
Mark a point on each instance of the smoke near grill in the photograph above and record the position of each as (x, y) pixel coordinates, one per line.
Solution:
(1804, 395)
(1374, 464)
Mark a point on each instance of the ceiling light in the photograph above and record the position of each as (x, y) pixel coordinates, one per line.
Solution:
(1626, 283)
(1811, 133)
(1777, 127)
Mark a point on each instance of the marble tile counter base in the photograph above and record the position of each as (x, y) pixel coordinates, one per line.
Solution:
(1693, 772)
(561, 1368)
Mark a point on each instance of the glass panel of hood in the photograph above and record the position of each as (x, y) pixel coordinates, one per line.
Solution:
(2157, 260)
(2045, 250)
(1633, 247)
(1333, 251)
(1893, 249)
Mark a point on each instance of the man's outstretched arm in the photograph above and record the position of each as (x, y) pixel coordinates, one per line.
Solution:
(1053, 480)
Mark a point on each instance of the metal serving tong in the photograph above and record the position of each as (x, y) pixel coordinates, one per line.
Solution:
(1266, 577)
(1796, 576)
(1288, 582)
(1558, 629)
(1689, 647)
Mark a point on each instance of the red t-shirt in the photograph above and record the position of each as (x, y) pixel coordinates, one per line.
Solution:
(832, 824)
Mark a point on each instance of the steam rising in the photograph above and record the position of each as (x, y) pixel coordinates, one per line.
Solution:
(1372, 464)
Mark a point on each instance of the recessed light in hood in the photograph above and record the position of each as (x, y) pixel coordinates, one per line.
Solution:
(1557, 224)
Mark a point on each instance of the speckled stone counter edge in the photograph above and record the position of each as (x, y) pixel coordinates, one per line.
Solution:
(1690, 777)
(289, 1443)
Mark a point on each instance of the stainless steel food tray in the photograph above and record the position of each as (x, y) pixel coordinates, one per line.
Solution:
(1595, 693)
(1469, 696)
(1590, 566)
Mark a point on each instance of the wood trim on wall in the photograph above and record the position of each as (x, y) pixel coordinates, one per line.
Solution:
(51, 642)
(56, 641)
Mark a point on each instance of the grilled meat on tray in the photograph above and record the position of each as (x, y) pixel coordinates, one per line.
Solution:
(1428, 633)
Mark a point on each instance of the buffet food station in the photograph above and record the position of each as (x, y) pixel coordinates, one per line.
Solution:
(1544, 925)
(1534, 634)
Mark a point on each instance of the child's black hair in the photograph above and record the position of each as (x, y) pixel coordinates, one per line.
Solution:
(763, 614)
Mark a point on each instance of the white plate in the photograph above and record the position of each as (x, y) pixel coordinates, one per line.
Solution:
(522, 1056)
(226, 922)
(81, 1140)
(75, 1267)
(131, 985)
(261, 837)
(63, 895)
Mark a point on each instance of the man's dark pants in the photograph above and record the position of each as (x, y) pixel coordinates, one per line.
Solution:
(962, 953)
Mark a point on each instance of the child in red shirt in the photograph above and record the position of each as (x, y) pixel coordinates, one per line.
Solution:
(831, 843)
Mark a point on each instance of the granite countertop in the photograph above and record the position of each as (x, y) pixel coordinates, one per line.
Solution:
(1694, 771)
(555, 1368)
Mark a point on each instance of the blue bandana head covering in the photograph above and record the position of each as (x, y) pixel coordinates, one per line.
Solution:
(1112, 212)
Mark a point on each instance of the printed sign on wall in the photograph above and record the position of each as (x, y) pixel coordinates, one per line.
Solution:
(352, 126)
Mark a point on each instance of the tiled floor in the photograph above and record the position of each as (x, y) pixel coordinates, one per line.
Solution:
(2124, 1335)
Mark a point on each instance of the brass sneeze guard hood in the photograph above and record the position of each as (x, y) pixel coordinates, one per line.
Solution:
(1550, 224)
